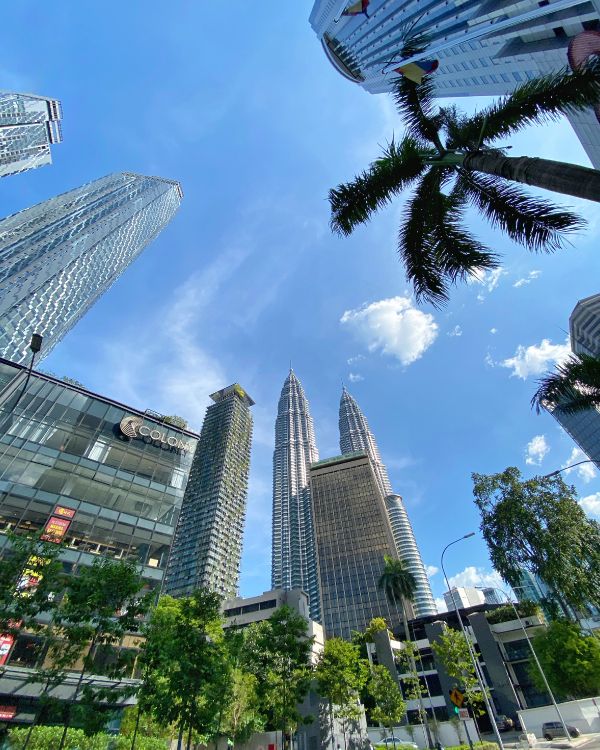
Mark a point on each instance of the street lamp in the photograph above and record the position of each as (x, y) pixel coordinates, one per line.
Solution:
(474, 659)
(535, 657)
(566, 468)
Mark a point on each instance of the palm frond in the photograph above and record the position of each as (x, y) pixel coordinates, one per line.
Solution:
(540, 100)
(436, 250)
(352, 203)
(574, 386)
(536, 223)
(415, 103)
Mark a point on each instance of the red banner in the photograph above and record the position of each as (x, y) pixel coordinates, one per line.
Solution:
(6, 642)
(55, 529)
(63, 512)
(8, 712)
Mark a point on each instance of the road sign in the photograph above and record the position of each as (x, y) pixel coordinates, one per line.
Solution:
(457, 697)
(463, 714)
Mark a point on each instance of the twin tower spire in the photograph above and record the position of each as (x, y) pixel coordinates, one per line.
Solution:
(293, 556)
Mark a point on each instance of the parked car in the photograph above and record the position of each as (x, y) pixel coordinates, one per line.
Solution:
(504, 723)
(391, 741)
(552, 729)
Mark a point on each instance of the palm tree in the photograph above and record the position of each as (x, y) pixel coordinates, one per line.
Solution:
(399, 585)
(455, 163)
(574, 386)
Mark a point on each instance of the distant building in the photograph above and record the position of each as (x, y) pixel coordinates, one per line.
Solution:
(460, 597)
(355, 435)
(293, 554)
(482, 48)
(352, 535)
(207, 546)
(584, 328)
(60, 256)
(492, 596)
(29, 125)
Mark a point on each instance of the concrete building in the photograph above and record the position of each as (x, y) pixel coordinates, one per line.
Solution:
(293, 553)
(29, 125)
(60, 256)
(207, 545)
(482, 48)
(584, 328)
(460, 597)
(355, 435)
(352, 535)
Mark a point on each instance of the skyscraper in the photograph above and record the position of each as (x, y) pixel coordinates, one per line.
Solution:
(58, 257)
(584, 327)
(293, 554)
(355, 435)
(29, 124)
(207, 545)
(352, 536)
(482, 48)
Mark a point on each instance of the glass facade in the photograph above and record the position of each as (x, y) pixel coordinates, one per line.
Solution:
(293, 553)
(207, 546)
(62, 445)
(58, 257)
(352, 535)
(28, 126)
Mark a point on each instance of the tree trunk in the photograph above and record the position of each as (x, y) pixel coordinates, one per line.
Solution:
(568, 179)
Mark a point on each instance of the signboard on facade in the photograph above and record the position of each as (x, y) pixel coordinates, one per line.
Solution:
(63, 512)
(6, 642)
(31, 576)
(55, 529)
(8, 712)
(134, 427)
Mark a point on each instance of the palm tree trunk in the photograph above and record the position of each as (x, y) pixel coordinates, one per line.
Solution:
(560, 177)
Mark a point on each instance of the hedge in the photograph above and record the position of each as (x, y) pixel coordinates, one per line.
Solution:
(48, 738)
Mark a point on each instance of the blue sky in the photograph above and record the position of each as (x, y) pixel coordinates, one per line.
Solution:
(237, 101)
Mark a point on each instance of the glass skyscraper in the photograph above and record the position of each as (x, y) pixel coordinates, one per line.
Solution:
(29, 124)
(483, 48)
(207, 546)
(293, 553)
(58, 257)
(355, 435)
(584, 328)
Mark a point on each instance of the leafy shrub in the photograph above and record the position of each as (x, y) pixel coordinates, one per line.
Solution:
(505, 613)
(48, 738)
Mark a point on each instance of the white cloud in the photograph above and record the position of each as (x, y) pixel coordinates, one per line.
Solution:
(493, 330)
(591, 504)
(489, 360)
(355, 377)
(354, 360)
(527, 279)
(585, 472)
(488, 279)
(536, 450)
(393, 326)
(456, 331)
(537, 358)
(431, 570)
(440, 604)
(472, 576)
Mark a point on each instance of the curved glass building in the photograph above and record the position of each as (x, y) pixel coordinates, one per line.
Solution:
(355, 435)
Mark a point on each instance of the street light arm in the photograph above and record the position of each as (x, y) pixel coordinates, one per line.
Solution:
(566, 468)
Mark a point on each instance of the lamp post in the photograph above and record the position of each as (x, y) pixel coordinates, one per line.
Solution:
(535, 657)
(566, 468)
(474, 659)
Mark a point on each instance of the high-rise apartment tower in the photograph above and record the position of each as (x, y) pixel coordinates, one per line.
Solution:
(584, 328)
(483, 48)
(355, 435)
(58, 257)
(293, 553)
(207, 545)
(29, 124)
(352, 536)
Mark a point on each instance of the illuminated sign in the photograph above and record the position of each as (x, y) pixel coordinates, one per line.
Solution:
(55, 529)
(8, 712)
(6, 642)
(31, 576)
(134, 427)
(63, 512)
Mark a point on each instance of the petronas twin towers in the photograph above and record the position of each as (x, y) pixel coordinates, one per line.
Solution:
(293, 556)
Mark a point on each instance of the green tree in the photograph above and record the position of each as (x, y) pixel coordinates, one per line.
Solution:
(455, 161)
(389, 706)
(102, 603)
(341, 675)
(573, 387)
(538, 524)
(186, 670)
(176, 421)
(377, 625)
(243, 715)
(452, 650)
(570, 660)
(277, 652)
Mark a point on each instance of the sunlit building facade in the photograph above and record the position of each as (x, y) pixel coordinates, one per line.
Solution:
(482, 48)
(207, 546)
(29, 125)
(293, 551)
(355, 435)
(58, 257)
